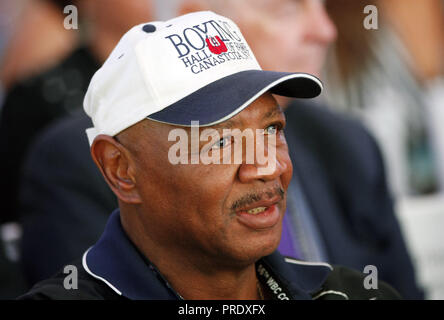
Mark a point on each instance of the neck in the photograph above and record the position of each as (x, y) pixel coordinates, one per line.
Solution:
(195, 275)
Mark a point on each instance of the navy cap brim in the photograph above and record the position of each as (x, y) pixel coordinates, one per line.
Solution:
(222, 99)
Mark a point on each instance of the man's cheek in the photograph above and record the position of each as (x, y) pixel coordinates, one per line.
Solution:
(288, 173)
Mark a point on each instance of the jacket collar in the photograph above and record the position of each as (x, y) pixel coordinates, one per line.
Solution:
(117, 262)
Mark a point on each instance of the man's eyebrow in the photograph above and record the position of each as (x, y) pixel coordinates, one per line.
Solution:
(276, 111)
(226, 124)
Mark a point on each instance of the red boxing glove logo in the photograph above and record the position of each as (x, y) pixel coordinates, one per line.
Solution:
(216, 49)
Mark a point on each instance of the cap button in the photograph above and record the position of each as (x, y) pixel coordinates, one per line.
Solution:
(149, 28)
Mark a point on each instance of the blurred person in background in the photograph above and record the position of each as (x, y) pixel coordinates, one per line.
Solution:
(339, 208)
(31, 104)
(25, 51)
(391, 77)
(35, 102)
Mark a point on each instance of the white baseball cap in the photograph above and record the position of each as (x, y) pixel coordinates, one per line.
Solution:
(196, 67)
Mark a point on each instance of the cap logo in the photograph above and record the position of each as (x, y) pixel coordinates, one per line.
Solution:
(204, 46)
(216, 45)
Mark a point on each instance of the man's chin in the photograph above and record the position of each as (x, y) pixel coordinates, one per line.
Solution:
(255, 250)
(264, 242)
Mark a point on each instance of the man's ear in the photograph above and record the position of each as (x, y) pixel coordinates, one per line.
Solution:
(117, 167)
(188, 6)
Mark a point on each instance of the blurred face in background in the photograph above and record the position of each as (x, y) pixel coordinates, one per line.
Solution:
(285, 35)
(108, 20)
(118, 16)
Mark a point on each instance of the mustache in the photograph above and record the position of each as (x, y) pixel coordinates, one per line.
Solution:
(255, 197)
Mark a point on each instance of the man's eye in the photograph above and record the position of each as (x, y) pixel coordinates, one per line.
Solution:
(273, 129)
(222, 143)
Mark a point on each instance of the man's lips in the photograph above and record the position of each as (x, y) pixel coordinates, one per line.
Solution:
(261, 203)
(267, 215)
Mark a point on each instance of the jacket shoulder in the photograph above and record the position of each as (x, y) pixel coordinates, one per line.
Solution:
(86, 288)
(348, 284)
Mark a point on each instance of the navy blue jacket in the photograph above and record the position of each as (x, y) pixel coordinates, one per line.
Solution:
(115, 269)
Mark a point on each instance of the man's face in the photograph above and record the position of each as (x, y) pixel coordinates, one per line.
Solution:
(286, 35)
(201, 209)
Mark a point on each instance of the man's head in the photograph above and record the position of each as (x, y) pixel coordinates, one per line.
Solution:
(199, 208)
(285, 35)
(159, 79)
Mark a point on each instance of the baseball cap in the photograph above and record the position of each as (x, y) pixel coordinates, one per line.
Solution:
(196, 67)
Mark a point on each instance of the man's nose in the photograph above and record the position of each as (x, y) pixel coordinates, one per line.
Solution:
(320, 27)
(269, 170)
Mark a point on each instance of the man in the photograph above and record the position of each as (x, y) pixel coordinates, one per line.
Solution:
(192, 230)
(337, 198)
